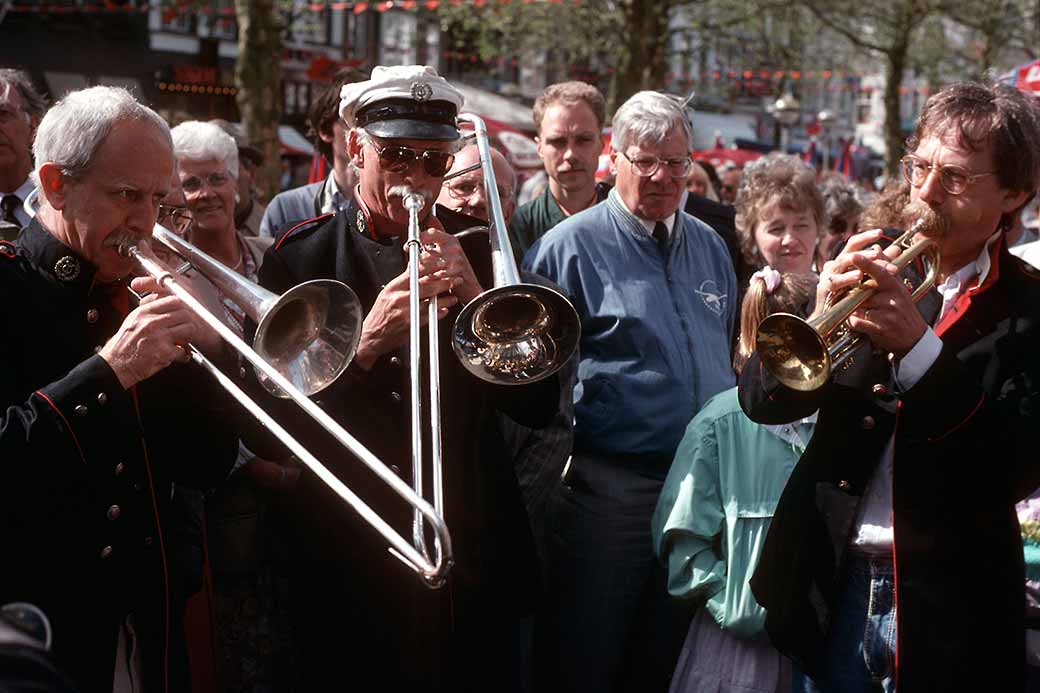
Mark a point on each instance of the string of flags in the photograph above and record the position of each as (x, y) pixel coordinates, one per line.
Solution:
(93, 6)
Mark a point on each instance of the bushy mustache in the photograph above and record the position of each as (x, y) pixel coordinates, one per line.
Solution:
(936, 224)
(402, 190)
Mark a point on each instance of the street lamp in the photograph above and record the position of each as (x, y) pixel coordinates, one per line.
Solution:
(826, 120)
(788, 111)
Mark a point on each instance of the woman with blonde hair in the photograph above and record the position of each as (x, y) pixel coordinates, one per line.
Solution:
(714, 512)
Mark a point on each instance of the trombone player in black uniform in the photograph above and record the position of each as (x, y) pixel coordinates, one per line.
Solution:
(894, 560)
(358, 612)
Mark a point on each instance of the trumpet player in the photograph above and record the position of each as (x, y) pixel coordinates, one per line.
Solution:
(402, 137)
(894, 561)
(99, 417)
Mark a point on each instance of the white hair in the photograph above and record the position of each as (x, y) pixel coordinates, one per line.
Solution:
(74, 128)
(195, 140)
(649, 117)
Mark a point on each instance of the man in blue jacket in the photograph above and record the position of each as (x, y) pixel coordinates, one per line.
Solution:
(655, 290)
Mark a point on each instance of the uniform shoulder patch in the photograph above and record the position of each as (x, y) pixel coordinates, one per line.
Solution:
(7, 250)
(302, 228)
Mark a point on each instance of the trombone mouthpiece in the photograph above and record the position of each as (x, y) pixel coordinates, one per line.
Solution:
(414, 201)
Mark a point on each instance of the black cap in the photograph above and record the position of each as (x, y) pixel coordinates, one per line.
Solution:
(410, 119)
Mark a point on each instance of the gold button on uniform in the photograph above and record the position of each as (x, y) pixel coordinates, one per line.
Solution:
(880, 390)
(844, 485)
(119, 469)
(106, 552)
(80, 410)
(114, 512)
(92, 315)
(867, 423)
(396, 397)
(102, 399)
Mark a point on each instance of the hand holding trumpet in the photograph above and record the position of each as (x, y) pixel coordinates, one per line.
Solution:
(888, 317)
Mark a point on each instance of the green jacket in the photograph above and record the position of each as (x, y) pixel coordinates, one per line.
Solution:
(716, 505)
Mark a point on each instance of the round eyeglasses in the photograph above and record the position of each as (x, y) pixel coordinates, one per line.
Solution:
(397, 159)
(954, 179)
(645, 165)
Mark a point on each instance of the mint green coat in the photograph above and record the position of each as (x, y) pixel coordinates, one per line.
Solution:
(716, 505)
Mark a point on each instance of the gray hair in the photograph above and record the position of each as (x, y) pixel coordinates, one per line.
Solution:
(73, 130)
(35, 102)
(840, 199)
(197, 141)
(648, 118)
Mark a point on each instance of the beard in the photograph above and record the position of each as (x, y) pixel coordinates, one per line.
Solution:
(935, 224)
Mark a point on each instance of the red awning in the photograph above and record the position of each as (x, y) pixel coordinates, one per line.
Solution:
(520, 150)
(720, 155)
(1029, 77)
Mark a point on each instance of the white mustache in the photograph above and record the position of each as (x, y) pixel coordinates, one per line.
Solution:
(402, 190)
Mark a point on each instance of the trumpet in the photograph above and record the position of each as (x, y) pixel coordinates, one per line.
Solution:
(328, 308)
(802, 354)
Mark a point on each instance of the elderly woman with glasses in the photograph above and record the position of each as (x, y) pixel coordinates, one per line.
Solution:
(242, 535)
(780, 214)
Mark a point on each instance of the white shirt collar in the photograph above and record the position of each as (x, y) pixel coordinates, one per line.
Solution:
(648, 225)
(332, 200)
(957, 283)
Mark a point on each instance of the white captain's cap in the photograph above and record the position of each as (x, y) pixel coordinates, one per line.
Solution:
(403, 101)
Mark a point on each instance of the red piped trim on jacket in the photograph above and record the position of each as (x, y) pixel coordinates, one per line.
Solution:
(7, 250)
(75, 440)
(302, 223)
(965, 420)
(370, 228)
(960, 307)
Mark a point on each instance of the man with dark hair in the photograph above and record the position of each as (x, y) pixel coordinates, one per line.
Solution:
(333, 193)
(569, 118)
(926, 440)
(21, 108)
(401, 135)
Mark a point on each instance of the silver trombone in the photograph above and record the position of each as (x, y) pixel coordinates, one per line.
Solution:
(511, 334)
(332, 311)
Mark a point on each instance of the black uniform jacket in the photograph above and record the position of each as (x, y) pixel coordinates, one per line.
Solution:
(87, 466)
(965, 452)
(394, 618)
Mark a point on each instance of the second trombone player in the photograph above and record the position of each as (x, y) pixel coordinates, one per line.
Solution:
(358, 612)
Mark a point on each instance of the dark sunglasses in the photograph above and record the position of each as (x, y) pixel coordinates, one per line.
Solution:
(396, 159)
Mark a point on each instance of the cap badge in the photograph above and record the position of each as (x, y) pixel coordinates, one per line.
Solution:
(421, 91)
(66, 268)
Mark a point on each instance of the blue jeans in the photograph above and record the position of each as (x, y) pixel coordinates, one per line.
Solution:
(861, 646)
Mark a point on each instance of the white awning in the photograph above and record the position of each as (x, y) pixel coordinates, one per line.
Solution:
(293, 142)
(489, 105)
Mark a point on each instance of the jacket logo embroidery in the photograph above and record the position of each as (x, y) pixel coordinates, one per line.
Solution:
(709, 293)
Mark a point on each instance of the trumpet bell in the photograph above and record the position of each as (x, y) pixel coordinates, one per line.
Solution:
(516, 334)
(793, 352)
(309, 335)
